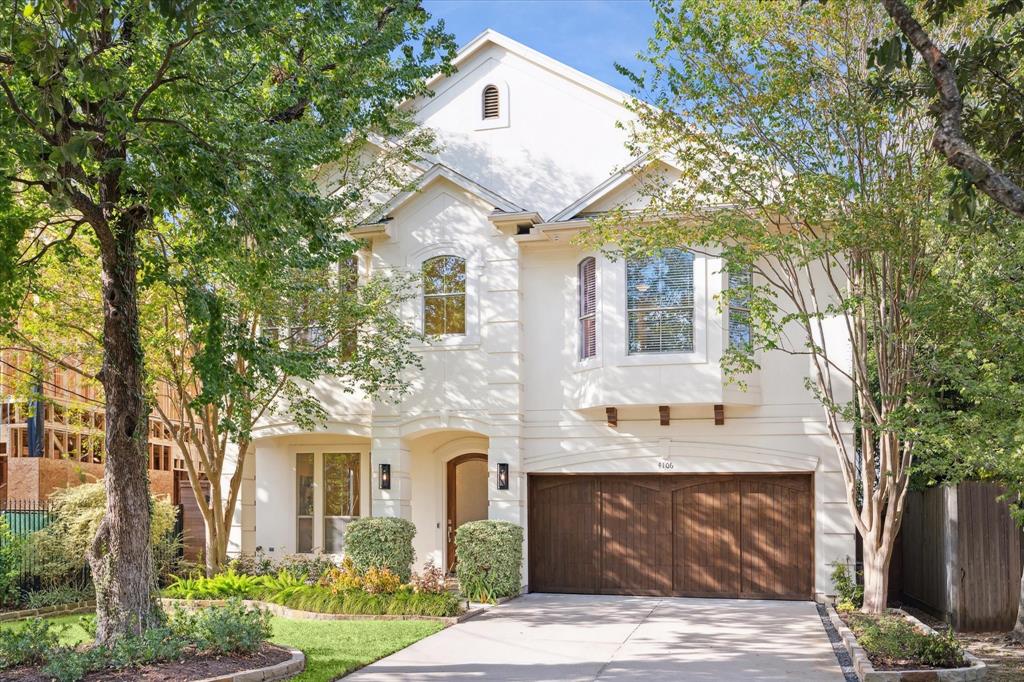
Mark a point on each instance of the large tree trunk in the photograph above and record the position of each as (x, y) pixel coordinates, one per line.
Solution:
(120, 557)
(876, 574)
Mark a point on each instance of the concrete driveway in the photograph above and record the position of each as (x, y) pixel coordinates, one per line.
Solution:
(583, 637)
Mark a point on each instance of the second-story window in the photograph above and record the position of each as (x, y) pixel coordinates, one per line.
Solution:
(739, 310)
(587, 283)
(490, 102)
(444, 295)
(659, 301)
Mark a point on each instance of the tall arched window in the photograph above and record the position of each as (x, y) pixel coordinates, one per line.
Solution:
(659, 300)
(491, 102)
(444, 295)
(586, 273)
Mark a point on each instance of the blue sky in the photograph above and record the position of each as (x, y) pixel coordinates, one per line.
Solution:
(589, 35)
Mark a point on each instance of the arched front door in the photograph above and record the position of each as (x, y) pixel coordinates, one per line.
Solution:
(467, 495)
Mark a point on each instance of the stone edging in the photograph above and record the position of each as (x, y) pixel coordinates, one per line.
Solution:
(867, 673)
(59, 610)
(286, 612)
(279, 671)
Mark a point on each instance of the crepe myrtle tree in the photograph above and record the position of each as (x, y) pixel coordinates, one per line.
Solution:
(210, 114)
(793, 172)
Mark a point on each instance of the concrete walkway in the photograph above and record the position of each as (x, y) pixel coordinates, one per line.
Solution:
(583, 637)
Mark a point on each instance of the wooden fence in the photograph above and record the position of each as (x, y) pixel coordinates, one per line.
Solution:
(962, 556)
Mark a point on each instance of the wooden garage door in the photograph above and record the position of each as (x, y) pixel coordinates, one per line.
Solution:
(685, 535)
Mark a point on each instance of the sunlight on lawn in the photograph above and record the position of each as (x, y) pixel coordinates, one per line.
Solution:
(332, 648)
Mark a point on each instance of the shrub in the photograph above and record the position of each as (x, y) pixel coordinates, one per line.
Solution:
(381, 542)
(380, 580)
(490, 557)
(57, 596)
(342, 578)
(430, 581)
(27, 645)
(10, 563)
(404, 602)
(223, 586)
(893, 638)
(312, 567)
(849, 592)
(233, 628)
(254, 564)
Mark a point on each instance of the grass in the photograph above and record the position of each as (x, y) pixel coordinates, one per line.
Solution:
(332, 648)
(337, 647)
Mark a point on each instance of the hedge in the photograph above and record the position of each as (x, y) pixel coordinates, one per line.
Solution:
(490, 559)
(384, 542)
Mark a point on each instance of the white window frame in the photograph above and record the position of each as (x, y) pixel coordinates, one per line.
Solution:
(318, 451)
(413, 308)
(595, 359)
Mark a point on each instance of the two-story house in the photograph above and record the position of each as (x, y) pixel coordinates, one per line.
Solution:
(578, 396)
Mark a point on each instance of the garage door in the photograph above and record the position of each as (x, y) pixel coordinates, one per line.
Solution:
(686, 535)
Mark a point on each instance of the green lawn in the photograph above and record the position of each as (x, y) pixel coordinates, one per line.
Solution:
(332, 648)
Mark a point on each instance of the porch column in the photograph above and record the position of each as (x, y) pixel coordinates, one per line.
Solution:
(387, 447)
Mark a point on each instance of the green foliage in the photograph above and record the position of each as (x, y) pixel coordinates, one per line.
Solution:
(29, 644)
(226, 585)
(893, 639)
(431, 580)
(10, 563)
(383, 542)
(404, 602)
(490, 558)
(60, 549)
(850, 594)
(232, 628)
(57, 596)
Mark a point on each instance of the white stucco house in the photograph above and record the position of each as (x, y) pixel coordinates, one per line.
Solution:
(577, 396)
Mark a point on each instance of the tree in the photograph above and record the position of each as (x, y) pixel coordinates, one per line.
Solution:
(791, 169)
(120, 118)
(990, 70)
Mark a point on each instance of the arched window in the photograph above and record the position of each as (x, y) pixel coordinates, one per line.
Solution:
(491, 102)
(659, 301)
(586, 273)
(444, 295)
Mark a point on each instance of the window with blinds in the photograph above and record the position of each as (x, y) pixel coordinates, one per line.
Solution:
(739, 310)
(587, 294)
(491, 102)
(659, 301)
(444, 295)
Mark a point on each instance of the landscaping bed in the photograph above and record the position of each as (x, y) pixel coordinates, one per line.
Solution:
(193, 667)
(895, 646)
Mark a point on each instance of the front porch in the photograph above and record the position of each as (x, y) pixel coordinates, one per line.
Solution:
(306, 488)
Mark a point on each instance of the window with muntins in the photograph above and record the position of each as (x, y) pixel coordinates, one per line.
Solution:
(659, 302)
(739, 310)
(491, 102)
(587, 283)
(444, 296)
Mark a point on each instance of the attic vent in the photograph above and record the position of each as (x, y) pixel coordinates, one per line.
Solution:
(491, 103)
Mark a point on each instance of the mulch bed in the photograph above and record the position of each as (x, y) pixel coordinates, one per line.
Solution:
(192, 668)
(1003, 656)
(883, 663)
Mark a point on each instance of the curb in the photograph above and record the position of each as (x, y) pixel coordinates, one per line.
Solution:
(278, 671)
(59, 610)
(285, 612)
(976, 670)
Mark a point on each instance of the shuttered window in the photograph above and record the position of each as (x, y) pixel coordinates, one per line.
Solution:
(659, 301)
(491, 102)
(587, 284)
(739, 310)
(444, 295)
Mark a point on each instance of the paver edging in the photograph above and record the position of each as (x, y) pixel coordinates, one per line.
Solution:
(71, 609)
(278, 671)
(976, 670)
(286, 612)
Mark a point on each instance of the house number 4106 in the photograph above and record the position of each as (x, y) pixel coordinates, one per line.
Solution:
(666, 464)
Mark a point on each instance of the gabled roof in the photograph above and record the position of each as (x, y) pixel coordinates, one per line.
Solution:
(610, 184)
(492, 37)
(437, 171)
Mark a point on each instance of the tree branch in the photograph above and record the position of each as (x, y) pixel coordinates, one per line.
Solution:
(949, 138)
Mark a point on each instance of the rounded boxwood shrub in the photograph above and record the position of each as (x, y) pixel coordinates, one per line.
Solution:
(489, 558)
(381, 542)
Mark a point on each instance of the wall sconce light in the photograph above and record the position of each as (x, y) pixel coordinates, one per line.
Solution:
(385, 477)
(502, 475)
